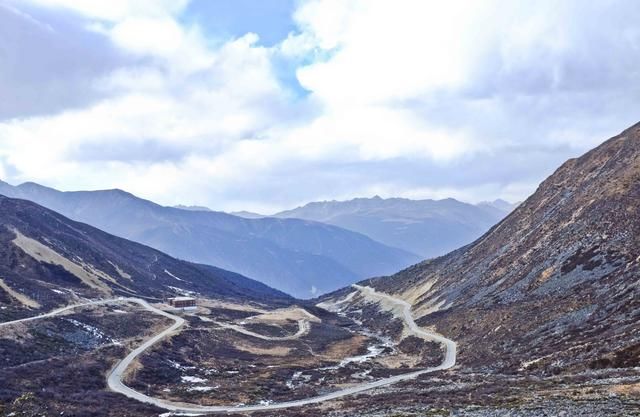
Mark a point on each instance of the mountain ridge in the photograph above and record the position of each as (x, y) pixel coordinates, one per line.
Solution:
(293, 255)
(565, 262)
(48, 260)
(427, 227)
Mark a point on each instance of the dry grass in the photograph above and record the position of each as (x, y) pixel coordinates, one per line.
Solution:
(627, 389)
(42, 253)
(121, 272)
(231, 306)
(274, 351)
(21, 298)
(546, 274)
(344, 348)
(284, 315)
(412, 295)
(130, 373)
(398, 360)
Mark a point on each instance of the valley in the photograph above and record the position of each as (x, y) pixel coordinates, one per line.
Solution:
(300, 257)
(281, 367)
(540, 313)
(319, 208)
(238, 358)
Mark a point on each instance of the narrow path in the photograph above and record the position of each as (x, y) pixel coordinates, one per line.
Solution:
(114, 379)
(303, 328)
(67, 308)
(450, 346)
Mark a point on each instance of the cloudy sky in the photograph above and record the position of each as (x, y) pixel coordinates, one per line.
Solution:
(267, 104)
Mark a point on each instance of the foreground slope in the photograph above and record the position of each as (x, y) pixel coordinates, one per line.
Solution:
(292, 255)
(427, 227)
(48, 260)
(545, 287)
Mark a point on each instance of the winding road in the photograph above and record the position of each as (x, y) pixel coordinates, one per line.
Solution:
(303, 328)
(114, 379)
(450, 346)
(67, 308)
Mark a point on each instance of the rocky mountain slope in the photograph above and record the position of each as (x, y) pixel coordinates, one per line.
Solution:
(47, 260)
(300, 257)
(552, 288)
(427, 227)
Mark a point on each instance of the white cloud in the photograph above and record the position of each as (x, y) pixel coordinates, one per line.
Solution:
(411, 98)
(387, 51)
(144, 35)
(200, 106)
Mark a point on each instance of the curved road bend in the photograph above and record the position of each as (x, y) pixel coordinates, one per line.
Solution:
(303, 328)
(114, 379)
(450, 345)
(67, 308)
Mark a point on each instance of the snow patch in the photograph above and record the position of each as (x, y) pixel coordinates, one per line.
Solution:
(173, 276)
(176, 365)
(203, 389)
(363, 374)
(297, 379)
(192, 379)
(182, 291)
(372, 352)
(91, 330)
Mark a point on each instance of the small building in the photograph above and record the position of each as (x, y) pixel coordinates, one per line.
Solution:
(183, 302)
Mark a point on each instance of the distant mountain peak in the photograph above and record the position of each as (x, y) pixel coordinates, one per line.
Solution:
(426, 227)
(499, 204)
(31, 184)
(61, 254)
(248, 214)
(289, 254)
(192, 208)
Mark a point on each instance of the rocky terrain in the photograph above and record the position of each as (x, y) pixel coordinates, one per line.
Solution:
(546, 305)
(57, 366)
(544, 310)
(559, 273)
(226, 354)
(246, 337)
(212, 363)
(47, 260)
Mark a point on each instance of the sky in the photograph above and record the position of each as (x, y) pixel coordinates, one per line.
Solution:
(265, 105)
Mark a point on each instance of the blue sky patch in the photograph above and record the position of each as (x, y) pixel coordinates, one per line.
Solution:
(270, 20)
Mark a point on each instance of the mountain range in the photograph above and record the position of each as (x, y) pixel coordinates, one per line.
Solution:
(545, 288)
(542, 309)
(300, 257)
(428, 228)
(48, 260)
